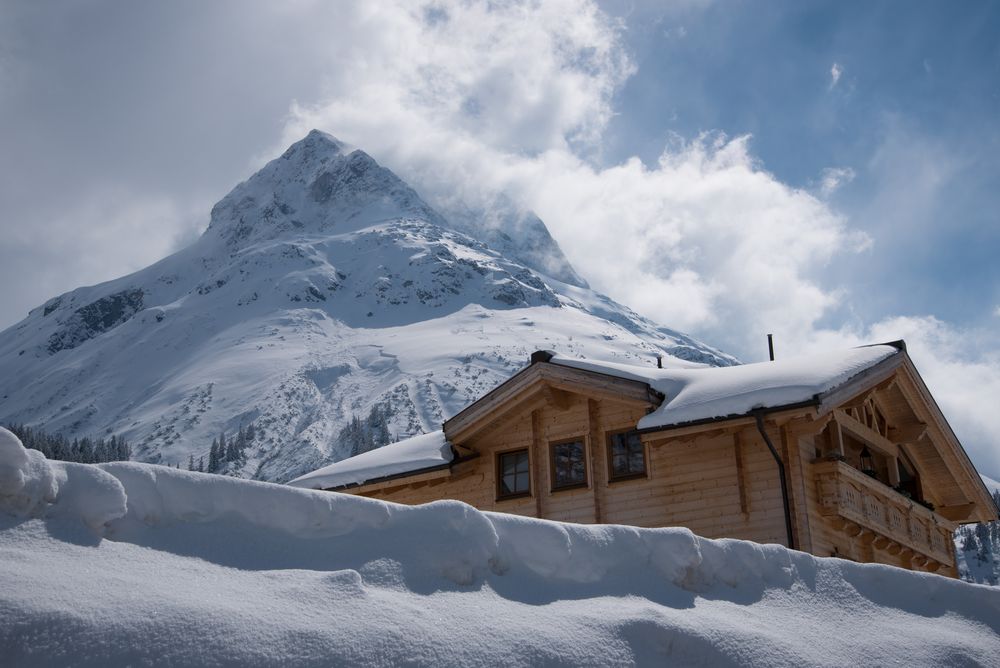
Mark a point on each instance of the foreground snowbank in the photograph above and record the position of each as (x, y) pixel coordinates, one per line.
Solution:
(190, 569)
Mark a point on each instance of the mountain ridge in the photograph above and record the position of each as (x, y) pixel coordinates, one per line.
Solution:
(324, 290)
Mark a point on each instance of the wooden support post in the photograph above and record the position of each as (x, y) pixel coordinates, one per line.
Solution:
(894, 471)
(538, 455)
(598, 472)
(741, 483)
(796, 484)
(838, 438)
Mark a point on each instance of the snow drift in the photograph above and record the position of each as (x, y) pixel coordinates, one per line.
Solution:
(172, 567)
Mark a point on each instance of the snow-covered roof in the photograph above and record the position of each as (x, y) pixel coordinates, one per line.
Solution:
(706, 393)
(418, 453)
(692, 394)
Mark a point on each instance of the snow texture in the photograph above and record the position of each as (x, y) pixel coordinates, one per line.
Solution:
(704, 393)
(411, 454)
(323, 289)
(990, 483)
(31, 486)
(209, 570)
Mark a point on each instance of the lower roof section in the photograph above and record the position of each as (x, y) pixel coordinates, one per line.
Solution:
(409, 456)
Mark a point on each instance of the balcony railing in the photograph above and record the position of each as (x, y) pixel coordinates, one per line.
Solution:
(861, 504)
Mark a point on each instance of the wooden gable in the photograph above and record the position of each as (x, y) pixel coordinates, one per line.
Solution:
(893, 412)
(540, 385)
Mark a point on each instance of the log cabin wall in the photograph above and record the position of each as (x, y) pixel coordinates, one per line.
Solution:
(720, 479)
(718, 484)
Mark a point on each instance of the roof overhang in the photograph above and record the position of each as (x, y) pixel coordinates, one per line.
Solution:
(543, 383)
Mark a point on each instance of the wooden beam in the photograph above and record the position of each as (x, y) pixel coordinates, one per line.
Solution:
(865, 433)
(894, 472)
(878, 377)
(956, 513)
(671, 435)
(598, 479)
(908, 433)
(531, 381)
(538, 452)
(838, 439)
(557, 399)
(741, 484)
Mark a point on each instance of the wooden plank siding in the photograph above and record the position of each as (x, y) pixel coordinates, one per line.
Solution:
(718, 480)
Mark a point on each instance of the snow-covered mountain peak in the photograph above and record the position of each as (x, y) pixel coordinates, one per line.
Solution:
(318, 186)
(329, 304)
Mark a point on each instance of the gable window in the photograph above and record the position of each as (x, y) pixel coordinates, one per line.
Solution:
(627, 454)
(514, 478)
(569, 464)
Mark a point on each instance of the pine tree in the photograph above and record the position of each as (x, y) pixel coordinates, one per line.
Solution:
(213, 457)
(201, 464)
(190, 462)
(223, 448)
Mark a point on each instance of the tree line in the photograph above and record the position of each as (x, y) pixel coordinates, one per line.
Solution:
(980, 545)
(84, 450)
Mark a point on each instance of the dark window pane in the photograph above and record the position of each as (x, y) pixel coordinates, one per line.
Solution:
(514, 473)
(628, 457)
(569, 464)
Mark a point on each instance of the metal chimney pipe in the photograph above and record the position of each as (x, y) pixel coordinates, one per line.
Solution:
(770, 346)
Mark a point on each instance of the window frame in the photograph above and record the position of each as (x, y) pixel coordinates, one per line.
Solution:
(554, 487)
(611, 457)
(498, 463)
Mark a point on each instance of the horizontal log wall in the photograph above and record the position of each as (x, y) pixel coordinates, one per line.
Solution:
(692, 482)
(720, 482)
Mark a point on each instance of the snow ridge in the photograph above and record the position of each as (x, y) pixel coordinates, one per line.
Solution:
(264, 574)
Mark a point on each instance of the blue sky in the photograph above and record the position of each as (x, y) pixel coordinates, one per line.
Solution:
(825, 171)
(918, 93)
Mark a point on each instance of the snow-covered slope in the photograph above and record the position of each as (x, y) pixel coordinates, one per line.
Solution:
(134, 564)
(324, 289)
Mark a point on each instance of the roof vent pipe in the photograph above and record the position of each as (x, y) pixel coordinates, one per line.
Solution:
(770, 346)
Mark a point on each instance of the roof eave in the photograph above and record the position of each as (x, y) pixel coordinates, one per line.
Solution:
(823, 402)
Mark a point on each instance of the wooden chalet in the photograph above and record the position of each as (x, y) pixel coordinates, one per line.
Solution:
(844, 455)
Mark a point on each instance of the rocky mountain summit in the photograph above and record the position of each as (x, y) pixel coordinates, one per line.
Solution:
(328, 304)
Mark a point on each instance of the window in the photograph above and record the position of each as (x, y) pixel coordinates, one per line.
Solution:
(514, 478)
(627, 454)
(569, 464)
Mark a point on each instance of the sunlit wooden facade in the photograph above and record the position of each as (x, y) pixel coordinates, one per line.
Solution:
(872, 471)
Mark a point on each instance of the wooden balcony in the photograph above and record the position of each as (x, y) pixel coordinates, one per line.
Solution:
(873, 512)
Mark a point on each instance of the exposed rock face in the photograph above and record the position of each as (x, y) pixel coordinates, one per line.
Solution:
(95, 318)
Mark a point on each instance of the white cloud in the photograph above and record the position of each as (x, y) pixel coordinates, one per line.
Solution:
(110, 232)
(960, 366)
(835, 73)
(996, 312)
(832, 178)
(704, 239)
(469, 100)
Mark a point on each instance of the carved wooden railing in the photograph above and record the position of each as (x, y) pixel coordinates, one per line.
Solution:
(862, 505)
